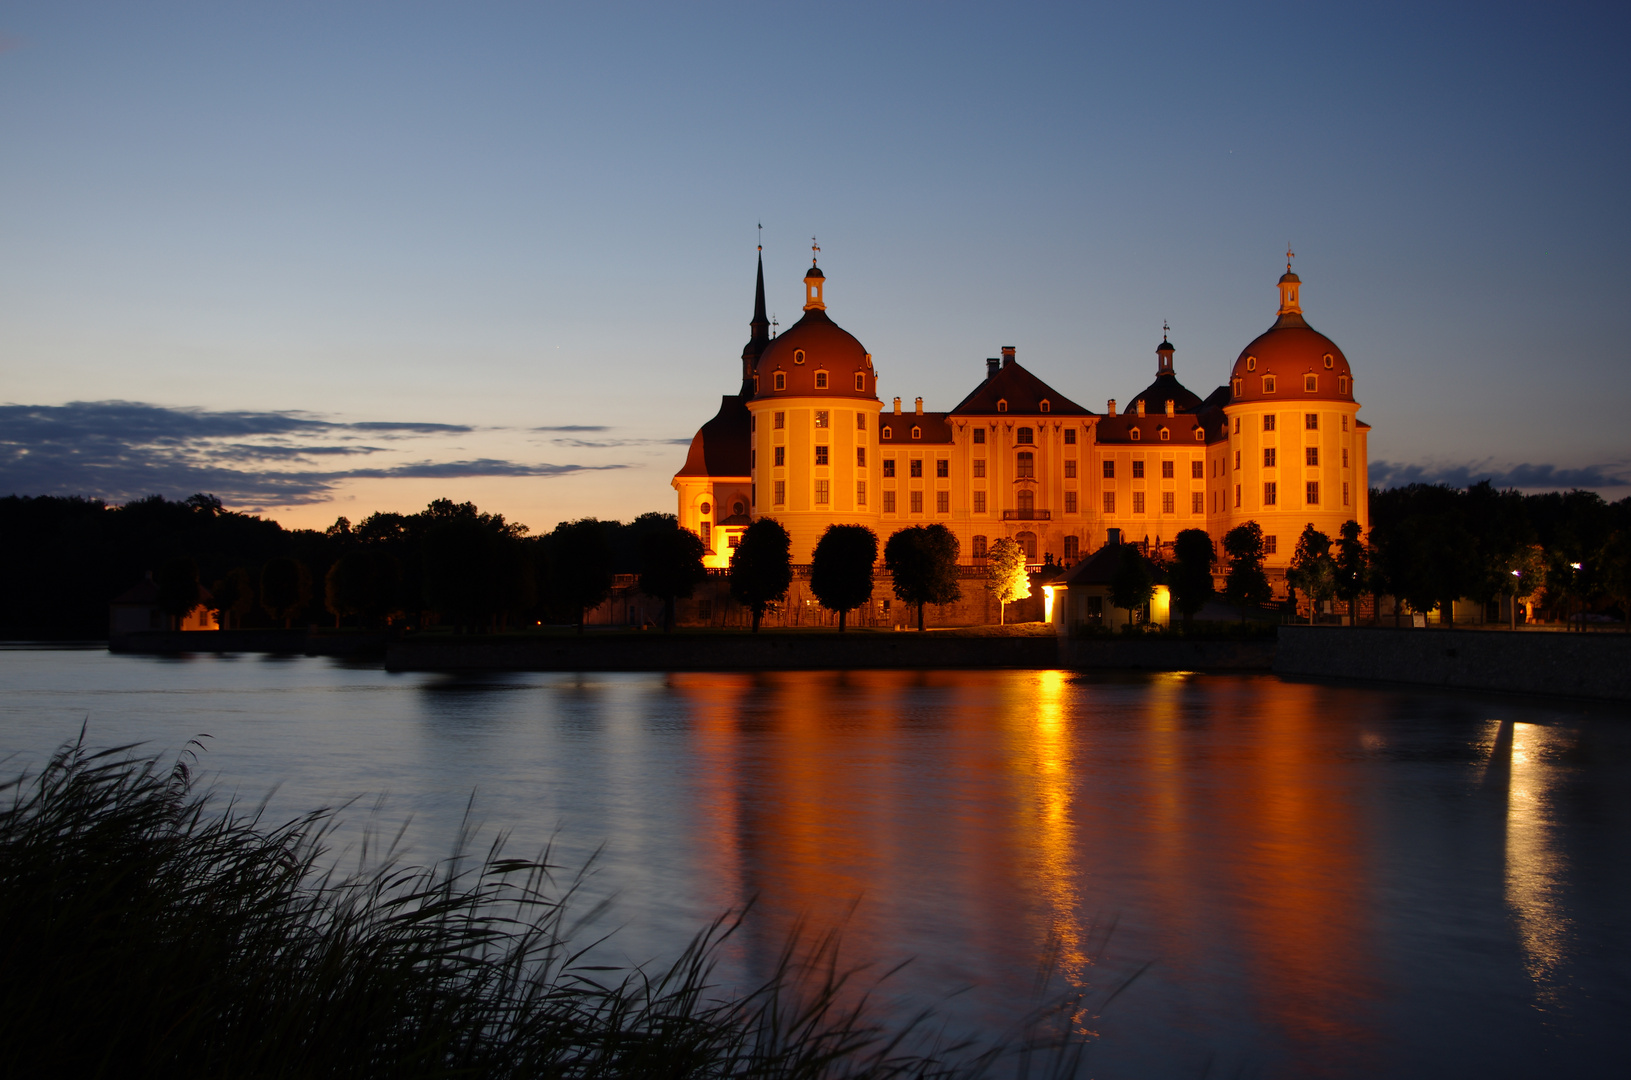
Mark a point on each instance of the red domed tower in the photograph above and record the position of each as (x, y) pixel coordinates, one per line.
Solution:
(1297, 449)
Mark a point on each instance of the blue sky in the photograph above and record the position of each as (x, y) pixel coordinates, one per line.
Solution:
(333, 258)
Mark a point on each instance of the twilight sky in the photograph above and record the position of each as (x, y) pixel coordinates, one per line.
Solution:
(332, 258)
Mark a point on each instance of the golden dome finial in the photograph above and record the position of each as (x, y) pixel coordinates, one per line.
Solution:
(815, 250)
(1289, 256)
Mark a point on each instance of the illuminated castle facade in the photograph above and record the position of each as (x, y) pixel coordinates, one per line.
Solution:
(807, 440)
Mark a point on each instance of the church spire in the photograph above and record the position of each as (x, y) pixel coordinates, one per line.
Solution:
(760, 327)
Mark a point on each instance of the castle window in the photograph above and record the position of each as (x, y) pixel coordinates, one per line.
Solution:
(1238, 388)
(1135, 434)
(1271, 493)
(1311, 383)
(781, 456)
(821, 380)
(1024, 436)
(1109, 502)
(821, 418)
(753, 422)
(1313, 493)
(1002, 406)
(889, 466)
(1167, 468)
(860, 381)
(860, 457)
(1070, 436)
(821, 455)
(1329, 362)
(860, 421)
(1268, 457)
(1344, 493)
(979, 547)
(753, 458)
(798, 356)
(1271, 545)
(979, 467)
(916, 499)
(1342, 383)
(1165, 435)
(1311, 454)
(1311, 421)
(889, 502)
(1138, 470)
(781, 380)
(1025, 465)
(888, 432)
(707, 536)
(942, 467)
(979, 436)
(1195, 470)
(1237, 496)
(753, 494)
(1268, 422)
(1138, 502)
(1251, 363)
(916, 469)
(1344, 421)
(860, 493)
(1046, 406)
(1237, 425)
(979, 502)
(779, 421)
(737, 507)
(1268, 384)
(1197, 503)
(781, 492)
(1167, 498)
(1070, 502)
(1109, 470)
(1200, 436)
(1070, 469)
(1237, 461)
(821, 492)
(1025, 503)
(917, 433)
(1344, 457)
(942, 502)
(706, 508)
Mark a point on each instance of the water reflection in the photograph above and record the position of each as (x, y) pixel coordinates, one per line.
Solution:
(1525, 756)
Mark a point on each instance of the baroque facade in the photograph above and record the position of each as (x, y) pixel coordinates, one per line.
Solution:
(807, 440)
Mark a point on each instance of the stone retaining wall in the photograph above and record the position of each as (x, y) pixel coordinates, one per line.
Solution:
(1530, 662)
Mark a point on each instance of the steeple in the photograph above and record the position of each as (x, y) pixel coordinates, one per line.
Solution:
(1289, 284)
(1163, 353)
(814, 281)
(760, 327)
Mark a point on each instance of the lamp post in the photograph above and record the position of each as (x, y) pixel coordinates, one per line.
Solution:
(1515, 586)
(1574, 585)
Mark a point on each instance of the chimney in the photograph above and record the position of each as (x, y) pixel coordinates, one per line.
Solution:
(1007, 355)
(1170, 410)
(1112, 538)
(1140, 404)
(1110, 409)
(991, 366)
(897, 406)
(920, 406)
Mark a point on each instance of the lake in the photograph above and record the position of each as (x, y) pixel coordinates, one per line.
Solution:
(1314, 879)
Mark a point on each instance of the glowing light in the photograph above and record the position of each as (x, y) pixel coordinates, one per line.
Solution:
(1047, 603)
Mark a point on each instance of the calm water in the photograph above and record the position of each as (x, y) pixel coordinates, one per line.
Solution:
(1323, 880)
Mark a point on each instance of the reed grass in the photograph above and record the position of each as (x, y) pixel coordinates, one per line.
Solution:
(147, 930)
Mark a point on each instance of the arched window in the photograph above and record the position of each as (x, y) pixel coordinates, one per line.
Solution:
(979, 547)
(888, 432)
(1027, 540)
(1002, 406)
(1200, 435)
(1024, 436)
(1165, 434)
(1025, 464)
(917, 433)
(1135, 434)
(798, 356)
(1046, 406)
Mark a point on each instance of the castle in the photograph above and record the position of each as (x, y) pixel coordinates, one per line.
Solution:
(807, 440)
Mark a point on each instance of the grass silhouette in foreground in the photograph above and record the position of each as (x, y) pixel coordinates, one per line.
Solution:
(146, 932)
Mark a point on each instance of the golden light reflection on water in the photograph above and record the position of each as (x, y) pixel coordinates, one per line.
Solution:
(1534, 868)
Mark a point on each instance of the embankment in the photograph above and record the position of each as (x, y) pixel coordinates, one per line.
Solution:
(1578, 665)
(279, 642)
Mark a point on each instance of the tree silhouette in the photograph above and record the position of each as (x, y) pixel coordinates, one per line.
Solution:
(1005, 574)
(670, 562)
(841, 568)
(763, 567)
(1132, 584)
(1351, 566)
(285, 589)
(362, 582)
(234, 596)
(1311, 569)
(580, 565)
(1246, 585)
(1193, 555)
(922, 561)
(179, 590)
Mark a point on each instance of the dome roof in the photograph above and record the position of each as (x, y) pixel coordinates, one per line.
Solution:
(815, 345)
(1290, 351)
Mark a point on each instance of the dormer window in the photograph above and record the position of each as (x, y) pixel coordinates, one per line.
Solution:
(888, 432)
(781, 380)
(1342, 383)
(798, 356)
(1200, 435)
(860, 380)
(1329, 361)
(917, 433)
(1002, 405)
(1165, 434)
(1024, 435)
(1251, 363)
(1311, 383)
(821, 380)
(1238, 388)
(1268, 384)
(1046, 406)
(1134, 435)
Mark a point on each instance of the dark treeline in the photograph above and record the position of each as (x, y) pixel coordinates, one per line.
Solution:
(450, 564)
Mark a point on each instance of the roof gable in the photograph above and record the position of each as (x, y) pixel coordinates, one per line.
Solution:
(1023, 392)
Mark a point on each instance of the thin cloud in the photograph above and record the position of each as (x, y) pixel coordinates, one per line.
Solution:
(574, 427)
(603, 444)
(1527, 476)
(120, 450)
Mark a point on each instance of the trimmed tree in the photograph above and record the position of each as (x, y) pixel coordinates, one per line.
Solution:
(1132, 584)
(1351, 566)
(841, 569)
(762, 568)
(1311, 569)
(1246, 585)
(670, 563)
(1193, 555)
(922, 561)
(1005, 574)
